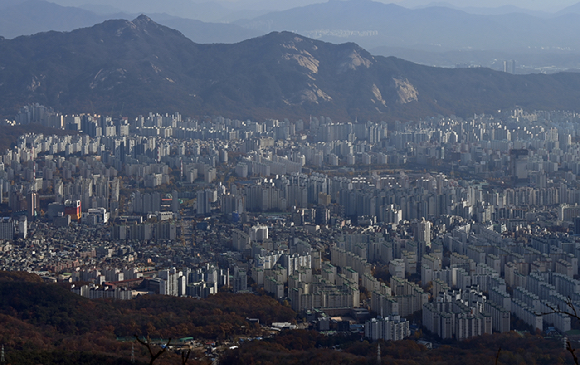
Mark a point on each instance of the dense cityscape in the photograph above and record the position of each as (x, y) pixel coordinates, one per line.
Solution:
(460, 227)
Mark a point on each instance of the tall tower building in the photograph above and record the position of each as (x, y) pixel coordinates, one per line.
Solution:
(423, 238)
(240, 280)
(519, 166)
(32, 204)
(175, 201)
(203, 202)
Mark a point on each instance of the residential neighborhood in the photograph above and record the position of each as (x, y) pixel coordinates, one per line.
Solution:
(457, 226)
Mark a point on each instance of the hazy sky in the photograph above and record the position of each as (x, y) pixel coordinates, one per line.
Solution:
(550, 6)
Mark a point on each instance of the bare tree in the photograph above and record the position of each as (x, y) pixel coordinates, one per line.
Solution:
(155, 356)
(572, 351)
(569, 310)
(185, 356)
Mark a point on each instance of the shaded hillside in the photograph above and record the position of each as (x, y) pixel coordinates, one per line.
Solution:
(46, 324)
(135, 67)
(41, 320)
(309, 347)
(220, 315)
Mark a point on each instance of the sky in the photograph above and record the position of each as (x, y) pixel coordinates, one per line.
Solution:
(542, 5)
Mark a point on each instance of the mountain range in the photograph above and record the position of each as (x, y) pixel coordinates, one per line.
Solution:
(438, 34)
(34, 16)
(368, 23)
(371, 24)
(133, 67)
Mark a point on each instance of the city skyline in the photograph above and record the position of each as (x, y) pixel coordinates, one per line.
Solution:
(221, 196)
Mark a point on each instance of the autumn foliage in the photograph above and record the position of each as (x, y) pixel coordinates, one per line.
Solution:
(40, 319)
(308, 347)
(46, 324)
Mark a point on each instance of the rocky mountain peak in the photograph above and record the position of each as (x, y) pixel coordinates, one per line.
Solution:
(142, 20)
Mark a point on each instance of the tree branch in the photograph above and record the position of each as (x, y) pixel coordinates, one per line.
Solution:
(572, 312)
(185, 357)
(572, 351)
(149, 347)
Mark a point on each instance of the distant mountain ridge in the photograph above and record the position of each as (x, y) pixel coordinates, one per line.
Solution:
(574, 9)
(499, 10)
(435, 34)
(34, 16)
(445, 27)
(139, 66)
(368, 23)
